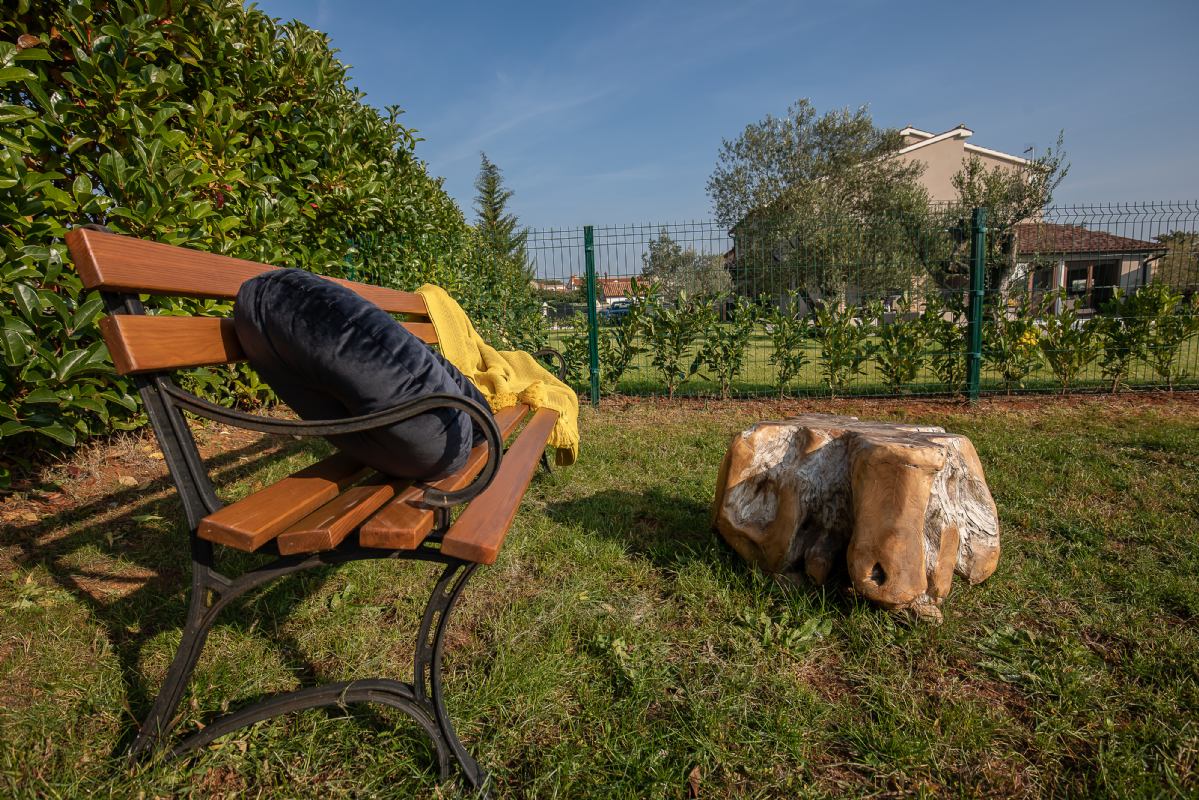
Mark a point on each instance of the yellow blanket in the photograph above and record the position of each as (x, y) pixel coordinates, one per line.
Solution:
(506, 378)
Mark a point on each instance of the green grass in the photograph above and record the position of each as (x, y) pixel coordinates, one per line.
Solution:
(759, 377)
(617, 646)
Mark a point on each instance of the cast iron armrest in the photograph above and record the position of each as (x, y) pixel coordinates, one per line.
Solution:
(552, 353)
(478, 413)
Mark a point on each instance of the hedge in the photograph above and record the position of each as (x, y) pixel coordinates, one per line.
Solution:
(208, 125)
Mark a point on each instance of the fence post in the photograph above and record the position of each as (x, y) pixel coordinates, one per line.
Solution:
(592, 316)
(978, 268)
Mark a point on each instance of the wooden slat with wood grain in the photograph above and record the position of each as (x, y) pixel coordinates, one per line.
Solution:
(115, 263)
(253, 521)
(404, 523)
(330, 524)
(145, 343)
(479, 531)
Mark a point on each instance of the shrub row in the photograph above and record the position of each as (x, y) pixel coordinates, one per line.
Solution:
(682, 337)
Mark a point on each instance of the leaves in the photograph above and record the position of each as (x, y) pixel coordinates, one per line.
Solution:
(671, 330)
(843, 345)
(222, 131)
(1068, 343)
(725, 341)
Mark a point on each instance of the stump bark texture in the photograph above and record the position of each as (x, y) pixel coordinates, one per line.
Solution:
(899, 507)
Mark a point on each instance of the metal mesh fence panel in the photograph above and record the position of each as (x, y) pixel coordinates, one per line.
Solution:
(1079, 298)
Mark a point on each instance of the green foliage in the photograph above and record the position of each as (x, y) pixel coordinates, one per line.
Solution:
(577, 352)
(498, 230)
(1010, 343)
(1011, 195)
(899, 345)
(788, 333)
(843, 345)
(836, 160)
(725, 342)
(675, 269)
(1123, 331)
(499, 296)
(200, 124)
(819, 203)
(622, 341)
(945, 324)
(671, 329)
(1179, 267)
(1068, 343)
(1172, 322)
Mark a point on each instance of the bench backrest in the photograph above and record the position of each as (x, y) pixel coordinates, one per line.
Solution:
(140, 343)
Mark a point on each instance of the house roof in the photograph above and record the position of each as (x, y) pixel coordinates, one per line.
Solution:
(615, 287)
(1048, 237)
(960, 132)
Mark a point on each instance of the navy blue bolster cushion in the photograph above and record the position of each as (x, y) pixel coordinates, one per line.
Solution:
(330, 354)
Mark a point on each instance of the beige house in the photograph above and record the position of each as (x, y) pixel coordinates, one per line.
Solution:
(944, 155)
(1089, 264)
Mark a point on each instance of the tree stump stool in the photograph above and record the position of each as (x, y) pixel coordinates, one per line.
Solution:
(902, 507)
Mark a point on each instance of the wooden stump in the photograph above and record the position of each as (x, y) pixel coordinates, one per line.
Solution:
(900, 507)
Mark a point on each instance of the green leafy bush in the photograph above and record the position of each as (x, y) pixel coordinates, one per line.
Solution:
(899, 345)
(1123, 331)
(208, 125)
(843, 345)
(671, 330)
(945, 324)
(725, 342)
(622, 341)
(1010, 343)
(576, 352)
(788, 333)
(1172, 321)
(1069, 344)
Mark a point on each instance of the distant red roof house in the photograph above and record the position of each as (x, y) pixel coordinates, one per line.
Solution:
(549, 285)
(605, 288)
(614, 288)
(1090, 265)
(1047, 237)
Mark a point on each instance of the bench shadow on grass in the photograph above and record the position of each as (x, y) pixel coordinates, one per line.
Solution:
(134, 608)
(667, 529)
(671, 531)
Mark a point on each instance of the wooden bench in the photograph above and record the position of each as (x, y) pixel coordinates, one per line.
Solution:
(331, 512)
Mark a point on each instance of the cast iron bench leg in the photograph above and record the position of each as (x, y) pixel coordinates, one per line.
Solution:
(421, 701)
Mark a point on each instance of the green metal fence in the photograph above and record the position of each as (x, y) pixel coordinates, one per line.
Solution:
(947, 301)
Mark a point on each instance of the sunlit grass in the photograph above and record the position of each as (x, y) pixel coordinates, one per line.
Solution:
(617, 647)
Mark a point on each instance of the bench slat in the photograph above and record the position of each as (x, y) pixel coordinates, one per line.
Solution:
(480, 530)
(330, 524)
(254, 520)
(123, 264)
(141, 343)
(403, 524)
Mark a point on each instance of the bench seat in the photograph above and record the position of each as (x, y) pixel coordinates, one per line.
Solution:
(318, 507)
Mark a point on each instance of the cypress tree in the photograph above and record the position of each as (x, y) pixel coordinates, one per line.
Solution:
(498, 228)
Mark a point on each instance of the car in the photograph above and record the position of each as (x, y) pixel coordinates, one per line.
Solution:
(617, 310)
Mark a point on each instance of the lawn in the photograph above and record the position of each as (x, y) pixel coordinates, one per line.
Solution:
(618, 650)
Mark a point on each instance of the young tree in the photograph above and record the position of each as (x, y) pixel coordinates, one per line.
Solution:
(498, 229)
(676, 269)
(1011, 195)
(502, 300)
(817, 203)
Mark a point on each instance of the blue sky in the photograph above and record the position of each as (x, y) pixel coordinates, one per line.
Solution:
(614, 112)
